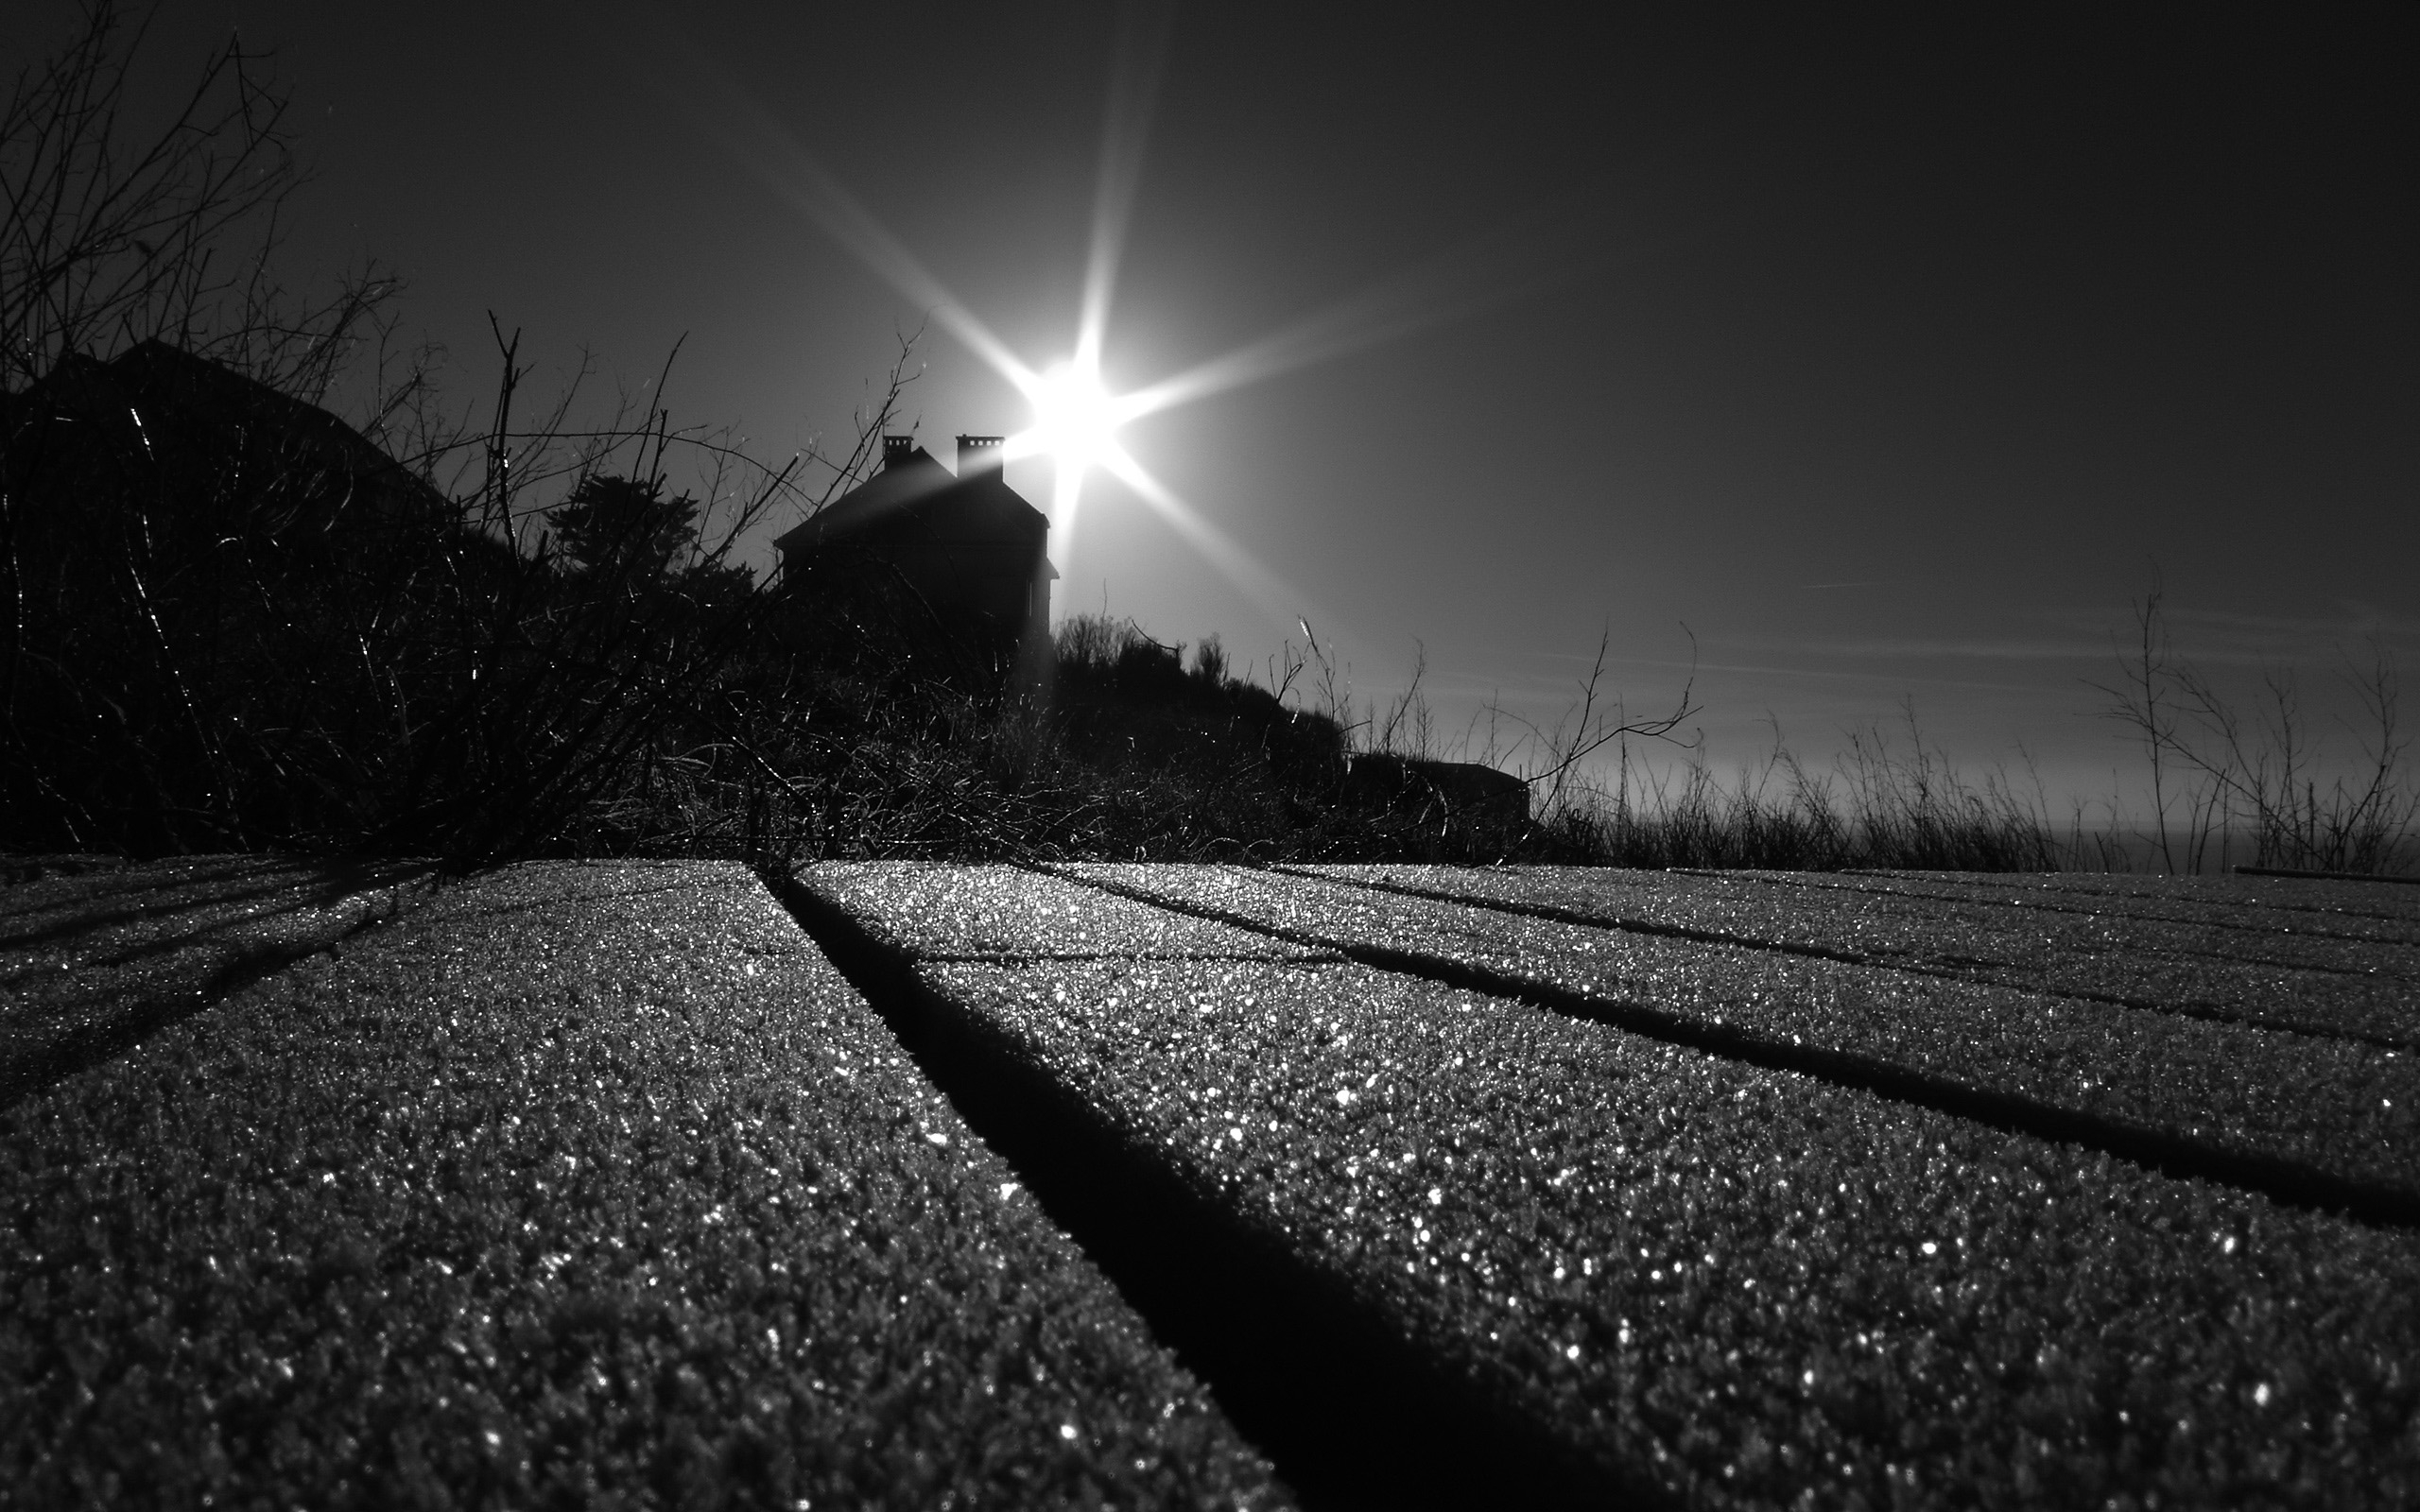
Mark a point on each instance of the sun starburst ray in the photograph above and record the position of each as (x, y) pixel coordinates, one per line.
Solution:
(1438, 292)
(1269, 593)
(1142, 47)
(1075, 417)
(751, 136)
(1495, 267)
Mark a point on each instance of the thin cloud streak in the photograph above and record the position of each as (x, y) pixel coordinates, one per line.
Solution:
(2204, 638)
(1919, 649)
(1758, 669)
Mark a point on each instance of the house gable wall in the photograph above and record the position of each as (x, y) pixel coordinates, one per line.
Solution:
(972, 549)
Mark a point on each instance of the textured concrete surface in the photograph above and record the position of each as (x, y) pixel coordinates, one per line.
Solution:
(94, 955)
(938, 912)
(1704, 1280)
(2327, 1108)
(576, 1186)
(1738, 1286)
(1189, 1186)
(2351, 910)
(2253, 963)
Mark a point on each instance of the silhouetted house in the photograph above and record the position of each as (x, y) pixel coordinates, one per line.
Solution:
(962, 549)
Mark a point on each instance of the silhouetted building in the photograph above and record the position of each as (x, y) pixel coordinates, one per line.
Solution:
(962, 548)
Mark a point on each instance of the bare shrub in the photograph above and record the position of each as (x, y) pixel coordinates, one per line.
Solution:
(233, 622)
(2261, 777)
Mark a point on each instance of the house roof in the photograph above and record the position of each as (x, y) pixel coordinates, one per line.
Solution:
(914, 492)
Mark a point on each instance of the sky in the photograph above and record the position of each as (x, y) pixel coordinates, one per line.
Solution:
(1828, 369)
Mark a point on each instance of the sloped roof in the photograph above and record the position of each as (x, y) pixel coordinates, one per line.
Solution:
(917, 492)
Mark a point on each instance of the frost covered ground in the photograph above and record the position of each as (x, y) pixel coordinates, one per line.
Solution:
(575, 1186)
(1172, 1186)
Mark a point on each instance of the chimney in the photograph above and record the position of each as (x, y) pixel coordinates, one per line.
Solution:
(979, 452)
(897, 450)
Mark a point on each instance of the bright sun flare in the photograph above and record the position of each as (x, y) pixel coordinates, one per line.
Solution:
(1075, 422)
(1075, 419)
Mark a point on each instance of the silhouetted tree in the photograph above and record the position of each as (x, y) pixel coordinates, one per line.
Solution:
(624, 527)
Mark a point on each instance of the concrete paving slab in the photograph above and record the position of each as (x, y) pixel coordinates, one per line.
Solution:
(1699, 1282)
(94, 956)
(2280, 1111)
(2388, 912)
(2310, 984)
(936, 911)
(575, 1185)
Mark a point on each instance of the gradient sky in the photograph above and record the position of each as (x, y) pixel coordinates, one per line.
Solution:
(1894, 363)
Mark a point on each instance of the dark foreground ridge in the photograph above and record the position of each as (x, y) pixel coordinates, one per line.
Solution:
(1353, 1414)
(2286, 1182)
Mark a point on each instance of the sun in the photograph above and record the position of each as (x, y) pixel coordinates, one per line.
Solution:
(1075, 420)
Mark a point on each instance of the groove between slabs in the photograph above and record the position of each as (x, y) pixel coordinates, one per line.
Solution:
(1765, 878)
(1351, 1414)
(2289, 1183)
(1552, 914)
